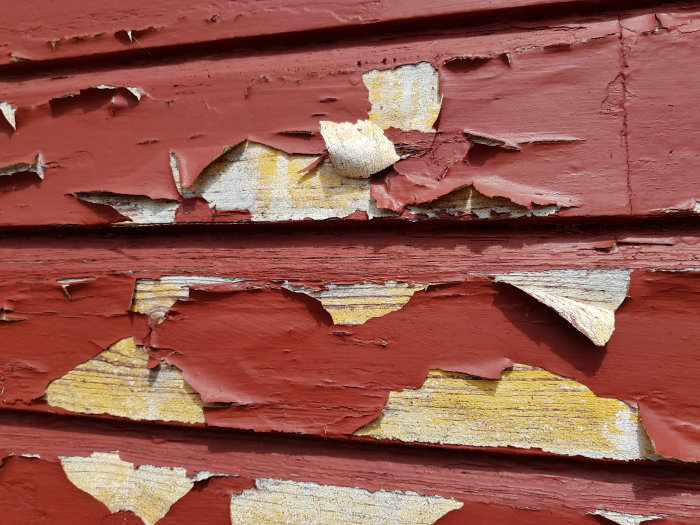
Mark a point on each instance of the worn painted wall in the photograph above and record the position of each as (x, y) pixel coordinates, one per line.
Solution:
(428, 264)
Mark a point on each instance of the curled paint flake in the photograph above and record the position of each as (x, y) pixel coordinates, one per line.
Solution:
(405, 97)
(278, 502)
(352, 304)
(140, 209)
(357, 150)
(586, 298)
(470, 201)
(119, 382)
(35, 167)
(8, 111)
(527, 407)
(147, 491)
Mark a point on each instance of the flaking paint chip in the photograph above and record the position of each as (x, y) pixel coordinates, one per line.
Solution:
(147, 491)
(8, 111)
(622, 518)
(35, 167)
(353, 304)
(406, 97)
(282, 502)
(140, 209)
(119, 382)
(468, 200)
(586, 298)
(357, 150)
(526, 408)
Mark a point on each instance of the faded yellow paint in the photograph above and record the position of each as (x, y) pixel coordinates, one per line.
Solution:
(468, 200)
(154, 297)
(119, 382)
(147, 491)
(278, 502)
(526, 408)
(405, 97)
(352, 304)
(267, 182)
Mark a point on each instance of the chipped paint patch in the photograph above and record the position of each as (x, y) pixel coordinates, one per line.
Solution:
(274, 501)
(140, 209)
(154, 297)
(352, 304)
(267, 182)
(19, 167)
(468, 200)
(527, 407)
(586, 298)
(147, 491)
(622, 518)
(8, 112)
(358, 150)
(405, 97)
(119, 382)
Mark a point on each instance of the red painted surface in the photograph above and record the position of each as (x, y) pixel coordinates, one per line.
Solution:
(589, 80)
(620, 82)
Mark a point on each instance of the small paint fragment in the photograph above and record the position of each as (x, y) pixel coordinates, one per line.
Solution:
(35, 167)
(147, 491)
(527, 407)
(406, 97)
(154, 297)
(4, 318)
(275, 501)
(118, 382)
(8, 112)
(352, 304)
(586, 298)
(622, 518)
(135, 91)
(140, 209)
(358, 150)
(514, 141)
(267, 182)
(469, 201)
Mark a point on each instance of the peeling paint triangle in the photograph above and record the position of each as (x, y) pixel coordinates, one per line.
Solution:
(586, 298)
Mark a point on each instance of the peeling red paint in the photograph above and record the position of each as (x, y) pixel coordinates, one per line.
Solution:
(580, 128)
(584, 108)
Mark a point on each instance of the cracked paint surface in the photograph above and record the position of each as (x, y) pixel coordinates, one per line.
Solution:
(277, 501)
(147, 491)
(586, 298)
(351, 304)
(119, 382)
(527, 408)
(406, 97)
